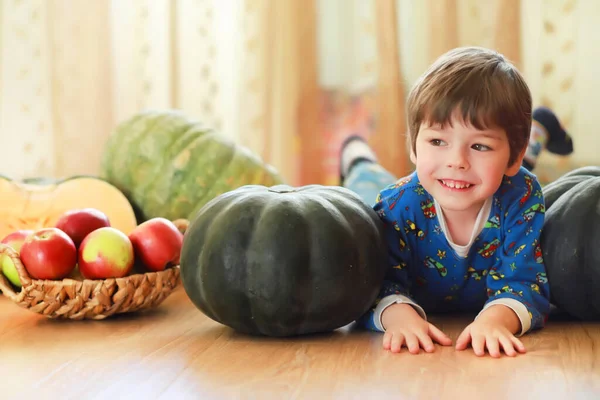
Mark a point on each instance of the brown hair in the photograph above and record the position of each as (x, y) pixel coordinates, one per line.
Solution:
(486, 89)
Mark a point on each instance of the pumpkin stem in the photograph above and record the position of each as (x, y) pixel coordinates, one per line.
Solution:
(282, 189)
(182, 224)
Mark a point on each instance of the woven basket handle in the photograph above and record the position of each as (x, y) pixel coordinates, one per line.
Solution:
(5, 285)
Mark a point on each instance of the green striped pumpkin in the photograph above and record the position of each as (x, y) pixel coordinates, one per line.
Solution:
(169, 165)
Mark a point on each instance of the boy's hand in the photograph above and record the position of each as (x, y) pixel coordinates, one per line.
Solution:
(404, 325)
(495, 327)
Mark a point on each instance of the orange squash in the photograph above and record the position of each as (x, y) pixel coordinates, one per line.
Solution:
(38, 203)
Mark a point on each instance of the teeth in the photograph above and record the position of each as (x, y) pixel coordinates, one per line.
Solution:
(456, 185)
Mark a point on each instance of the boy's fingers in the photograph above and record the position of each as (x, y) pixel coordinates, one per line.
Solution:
(397, 341)
(387, 340)
(463, 339)
(508, 347)
(412, 343)
(493, 346)
(426, 342)
(439, 336)
(519, 346)
(478, 344)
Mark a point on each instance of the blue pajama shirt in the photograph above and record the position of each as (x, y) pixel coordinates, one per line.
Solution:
(503, 265)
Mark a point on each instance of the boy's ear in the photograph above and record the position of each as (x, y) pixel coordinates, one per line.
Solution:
(514, 168)
(413, 156)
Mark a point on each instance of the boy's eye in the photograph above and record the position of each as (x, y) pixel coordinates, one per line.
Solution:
(437, 142)
(481, 147)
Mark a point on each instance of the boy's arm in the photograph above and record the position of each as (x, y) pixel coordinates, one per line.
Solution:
(396, 284)
(518, 281)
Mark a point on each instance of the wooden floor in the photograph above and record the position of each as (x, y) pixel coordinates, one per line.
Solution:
(175, 352)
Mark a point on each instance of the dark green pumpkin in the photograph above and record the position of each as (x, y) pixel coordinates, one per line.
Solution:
(283, 261)
(569, 242)
(557, 188)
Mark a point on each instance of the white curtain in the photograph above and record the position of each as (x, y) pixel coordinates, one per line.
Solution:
(71, 70)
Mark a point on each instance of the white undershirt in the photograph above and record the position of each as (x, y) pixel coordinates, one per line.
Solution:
(463, 251)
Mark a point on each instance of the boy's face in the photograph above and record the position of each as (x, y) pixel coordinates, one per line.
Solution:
(461, 166)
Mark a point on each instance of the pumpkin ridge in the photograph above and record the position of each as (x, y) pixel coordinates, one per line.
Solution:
(235, 174)
(554, 190)
(239, 169)
(162, 123)
(334, 217)
(275, 318)
(228, 153)
(108, 154)
(364, 215)
(589, 170)
(355, 214)
(125, 137)
(185, 166)
(146, 190)
(189, 190)
(184, 145)
(201, 226)
(250, 255)
(173, 186)
(148, 155)
(134, 158)
(179, 135)
(337, 197)
(258, 172)
(222, 222)
(118, 143)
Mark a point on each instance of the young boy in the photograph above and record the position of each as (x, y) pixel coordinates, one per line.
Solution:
(463, 230)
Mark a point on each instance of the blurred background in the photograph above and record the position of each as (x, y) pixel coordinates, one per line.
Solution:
(289, 79)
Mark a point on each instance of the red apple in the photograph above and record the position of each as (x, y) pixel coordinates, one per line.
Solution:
(15, 241)
(157, 242)
(80, 222)
(105, 253)
(49, 253)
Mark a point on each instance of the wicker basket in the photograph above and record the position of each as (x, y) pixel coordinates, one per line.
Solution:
(90, 299)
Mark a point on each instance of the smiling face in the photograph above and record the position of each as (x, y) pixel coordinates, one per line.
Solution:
(461, 166)
(469, 121)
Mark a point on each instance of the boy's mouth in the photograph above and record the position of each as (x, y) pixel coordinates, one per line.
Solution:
(455, 185)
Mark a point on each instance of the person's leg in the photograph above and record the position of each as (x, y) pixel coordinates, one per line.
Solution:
(360, 172)
(367, 179)
(547, 133)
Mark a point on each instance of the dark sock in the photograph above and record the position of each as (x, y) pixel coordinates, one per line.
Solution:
(559, 140)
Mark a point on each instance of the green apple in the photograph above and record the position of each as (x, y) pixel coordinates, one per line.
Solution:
(15, 241)
(105, 253)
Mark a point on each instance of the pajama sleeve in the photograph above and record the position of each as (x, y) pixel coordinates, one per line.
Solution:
(395, 288)
(518, 277)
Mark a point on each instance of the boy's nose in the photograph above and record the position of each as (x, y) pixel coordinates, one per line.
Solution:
(458, 160)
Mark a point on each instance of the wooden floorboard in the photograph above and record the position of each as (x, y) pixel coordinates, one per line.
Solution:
(175, 352)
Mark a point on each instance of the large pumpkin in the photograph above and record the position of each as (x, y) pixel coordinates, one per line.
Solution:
(38, 203)
(558, 187)
(284, 261)
(169, 165)
(569, 242)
